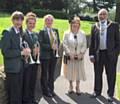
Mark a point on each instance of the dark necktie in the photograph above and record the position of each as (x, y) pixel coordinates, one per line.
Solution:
(30, 35)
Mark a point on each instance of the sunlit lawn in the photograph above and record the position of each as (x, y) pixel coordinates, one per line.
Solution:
(118, 85)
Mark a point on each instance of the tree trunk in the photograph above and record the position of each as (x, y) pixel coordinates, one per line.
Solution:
(117, 17)
(94, 5)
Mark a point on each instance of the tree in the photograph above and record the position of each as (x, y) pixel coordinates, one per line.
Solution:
(74, 6)
(117, 17)
(53, 4)
(107, 4)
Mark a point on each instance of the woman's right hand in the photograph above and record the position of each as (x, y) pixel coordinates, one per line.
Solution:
(26, 52)
(92, 59)
(71, 57)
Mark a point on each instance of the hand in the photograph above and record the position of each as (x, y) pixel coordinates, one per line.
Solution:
(36, 51)
(81, 56)
(92, 59)
(75, 56)
(26, 52)
(54, 46)
(71, 56)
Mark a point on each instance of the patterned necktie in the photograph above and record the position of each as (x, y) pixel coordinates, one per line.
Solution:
(30, 35)
(51, 37)
(102, 28)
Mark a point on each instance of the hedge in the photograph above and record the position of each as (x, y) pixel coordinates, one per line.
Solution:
(56, 14)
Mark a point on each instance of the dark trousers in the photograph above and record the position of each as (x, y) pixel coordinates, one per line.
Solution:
(47, 75)
(110, 68)
(14, 83)
(29, 82)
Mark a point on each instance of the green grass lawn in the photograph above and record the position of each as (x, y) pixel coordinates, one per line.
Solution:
(118, 86)
(62, 25)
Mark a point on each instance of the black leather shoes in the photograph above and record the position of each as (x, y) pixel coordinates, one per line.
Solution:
(35, 102)
(94, 95)
(47, 94)
(110, 99)
(53, 93)
(70, 92)
(78, 93)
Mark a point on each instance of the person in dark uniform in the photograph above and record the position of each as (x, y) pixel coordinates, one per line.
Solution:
(31, 65)
(104, 51)
(13, 58)
(49, 42)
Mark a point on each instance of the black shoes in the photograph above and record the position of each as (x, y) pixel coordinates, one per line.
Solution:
(53, 94)
(78, 93)
(94, 95)
(70, 92)
(110, 99)
(47, 94)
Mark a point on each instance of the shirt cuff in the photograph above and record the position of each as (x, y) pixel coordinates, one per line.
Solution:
(91, 56)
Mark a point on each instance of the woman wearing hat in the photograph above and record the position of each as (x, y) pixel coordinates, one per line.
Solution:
(74, 43)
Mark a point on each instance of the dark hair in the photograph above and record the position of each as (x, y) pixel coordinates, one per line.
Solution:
(17, 15)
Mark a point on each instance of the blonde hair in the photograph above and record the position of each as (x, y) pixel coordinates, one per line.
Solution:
(48, 16)
(75, 19)
(30, 15)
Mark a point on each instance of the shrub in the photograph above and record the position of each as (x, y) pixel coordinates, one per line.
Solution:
(56, 14)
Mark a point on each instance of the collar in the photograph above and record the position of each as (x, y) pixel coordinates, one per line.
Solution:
(16, 30)
(108, 23)
(105, 22)
(29, 32)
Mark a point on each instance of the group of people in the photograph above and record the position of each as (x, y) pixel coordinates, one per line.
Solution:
(24, 50)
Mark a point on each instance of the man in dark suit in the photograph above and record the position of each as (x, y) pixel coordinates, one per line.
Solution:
(104, 51)
(13, 61)
(49, 42)
(30, 71)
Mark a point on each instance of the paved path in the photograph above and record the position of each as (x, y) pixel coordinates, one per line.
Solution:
(61, 87)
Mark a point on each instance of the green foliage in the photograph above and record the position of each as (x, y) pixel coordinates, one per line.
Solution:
(4, 14)
(112, 14)
(57, 14)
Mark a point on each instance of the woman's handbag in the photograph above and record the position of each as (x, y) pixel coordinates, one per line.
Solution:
(66, 58)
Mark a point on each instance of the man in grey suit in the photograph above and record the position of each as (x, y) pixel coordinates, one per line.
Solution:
(13, 58)
(104, 51)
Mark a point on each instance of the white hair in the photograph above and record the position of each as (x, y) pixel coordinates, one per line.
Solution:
(103, 10)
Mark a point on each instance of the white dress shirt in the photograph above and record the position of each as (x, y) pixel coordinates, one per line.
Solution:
(103, 35)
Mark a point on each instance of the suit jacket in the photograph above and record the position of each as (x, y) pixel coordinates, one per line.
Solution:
(28, 39)
(11, 51)
(31, 42)
(46, 51)
(69, 43)
(112, 42)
